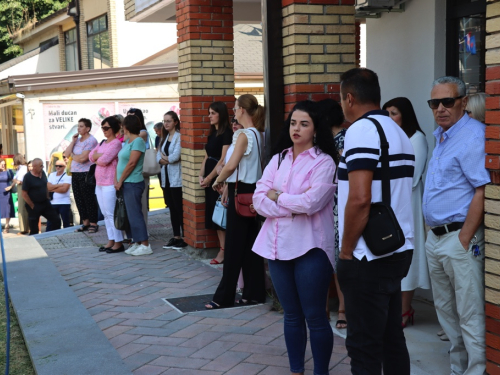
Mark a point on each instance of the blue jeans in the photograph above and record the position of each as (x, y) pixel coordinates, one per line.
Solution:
(302, 288)
(132, 193)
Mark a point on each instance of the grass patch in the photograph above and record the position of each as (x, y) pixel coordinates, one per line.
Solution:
(20, 362)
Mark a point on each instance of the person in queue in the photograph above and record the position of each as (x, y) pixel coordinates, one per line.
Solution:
(372, 284)
(241, 232)
(219, 140)
(58, 184)
(105, 156)
(36, 198)
(296, 194)
(81, 144)
(22, 215)
(476, 106)
(453, 206)
(129, 178)
(402, 112)
(6, 202)
(169, 156)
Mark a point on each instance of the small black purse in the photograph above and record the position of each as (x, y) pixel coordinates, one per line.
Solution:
(383, 234)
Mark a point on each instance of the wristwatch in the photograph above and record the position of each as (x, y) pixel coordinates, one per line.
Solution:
(276, 195)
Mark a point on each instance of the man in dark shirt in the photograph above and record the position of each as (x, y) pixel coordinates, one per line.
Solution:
(36, 196)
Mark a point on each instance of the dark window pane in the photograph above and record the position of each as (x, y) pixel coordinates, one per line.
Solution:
(471, 52)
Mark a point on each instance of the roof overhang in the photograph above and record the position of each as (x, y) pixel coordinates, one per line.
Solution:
(58, 18)
(47, 81)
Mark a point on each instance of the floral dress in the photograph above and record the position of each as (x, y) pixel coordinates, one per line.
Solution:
(339, 145)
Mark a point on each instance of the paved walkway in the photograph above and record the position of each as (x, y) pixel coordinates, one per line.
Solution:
(124, 296)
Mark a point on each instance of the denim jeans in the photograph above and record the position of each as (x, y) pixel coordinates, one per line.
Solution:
(132, 193)
(302, 288)
(372, 294)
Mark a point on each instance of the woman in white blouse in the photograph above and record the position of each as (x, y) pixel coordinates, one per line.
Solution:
(242, 231)
(401, 111)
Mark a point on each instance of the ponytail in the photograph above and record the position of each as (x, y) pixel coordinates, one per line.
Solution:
(254, 109)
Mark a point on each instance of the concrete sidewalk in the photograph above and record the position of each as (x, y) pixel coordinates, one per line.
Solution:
(124, 296)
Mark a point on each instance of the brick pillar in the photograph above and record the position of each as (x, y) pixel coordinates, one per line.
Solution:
(62, 50)
(113, 34)
(318, 46)
(206, 74)
(83, 40)
(492, 204)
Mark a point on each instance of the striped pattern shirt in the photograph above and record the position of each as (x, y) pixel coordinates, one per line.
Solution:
(362, 152)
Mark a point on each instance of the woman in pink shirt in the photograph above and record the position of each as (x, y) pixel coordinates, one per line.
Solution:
(105, 156)
(295, 194)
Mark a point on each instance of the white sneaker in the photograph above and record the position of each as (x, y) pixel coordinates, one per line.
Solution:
(142, 250)
(132, 248)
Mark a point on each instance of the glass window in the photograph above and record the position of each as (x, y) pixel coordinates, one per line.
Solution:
(71, 49)
(471, 52)
(98, 43)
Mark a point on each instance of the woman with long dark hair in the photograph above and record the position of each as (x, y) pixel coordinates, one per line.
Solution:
(219, 140)
(169, 156)
(296, 194)
(402, 112)
(242, 231)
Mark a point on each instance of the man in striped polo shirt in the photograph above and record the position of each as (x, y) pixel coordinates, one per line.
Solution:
(372, 284)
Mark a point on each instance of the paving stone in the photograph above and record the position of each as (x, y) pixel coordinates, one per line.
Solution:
(123, 339)
(146, 331)
(154, 340)
(115, 331)
(275, 370)
(256, 348)
(137, 360)
(149, 370)
(131, 348)
(176, 371)
(251, 339)
(192, 330)
(266, 359)
(202, 340)
(214, 349)
(226, 361)
(181, 363)
(171, 351)
(246, 369)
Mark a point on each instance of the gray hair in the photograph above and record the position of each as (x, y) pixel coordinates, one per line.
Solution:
(158, 125)
(476, 105)
(453, 80)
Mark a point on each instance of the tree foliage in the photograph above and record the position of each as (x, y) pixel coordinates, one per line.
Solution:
(16, 14)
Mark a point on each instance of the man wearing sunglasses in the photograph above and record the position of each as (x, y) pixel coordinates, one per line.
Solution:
(453, 207)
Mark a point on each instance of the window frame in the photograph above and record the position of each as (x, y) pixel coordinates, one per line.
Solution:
(73, 43)
(91, 35)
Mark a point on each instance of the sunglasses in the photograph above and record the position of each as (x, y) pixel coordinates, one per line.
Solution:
(446, 102)
(59, 166)
(105, 128)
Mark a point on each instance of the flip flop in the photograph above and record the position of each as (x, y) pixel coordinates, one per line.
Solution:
(215, 261)
(83, 228)
(213, 305)
(93, 228)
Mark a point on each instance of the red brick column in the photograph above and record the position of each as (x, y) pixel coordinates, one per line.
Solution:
(492, 203)
(206, 74)
(318, 46)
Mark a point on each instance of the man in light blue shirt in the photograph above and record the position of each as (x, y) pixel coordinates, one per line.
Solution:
(453, 204)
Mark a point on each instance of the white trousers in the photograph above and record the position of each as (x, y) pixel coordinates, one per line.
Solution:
(457, 279)
(106, 197)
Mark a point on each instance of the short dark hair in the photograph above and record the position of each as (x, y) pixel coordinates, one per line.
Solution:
(132, 124)
(137, 112)
(86, 122)
(409, 122)
(331, 112)
(113, 122)
(361, 83)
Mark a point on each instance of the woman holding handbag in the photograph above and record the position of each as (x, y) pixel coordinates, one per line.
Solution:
(169, 157)
(105, 156)
(215, 151)
(241, 231)
(296, 195)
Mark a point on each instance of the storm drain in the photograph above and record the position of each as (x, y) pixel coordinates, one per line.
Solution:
(194, 303)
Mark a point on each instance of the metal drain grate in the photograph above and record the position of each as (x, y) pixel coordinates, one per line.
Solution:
(193, 303)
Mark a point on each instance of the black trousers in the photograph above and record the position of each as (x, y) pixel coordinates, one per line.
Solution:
(241, 233)
(46, 210)
(173, 198)
(372, 294)
(85, 198)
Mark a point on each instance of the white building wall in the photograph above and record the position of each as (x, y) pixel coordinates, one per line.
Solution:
(407, 51)
(137, 41)
(45, 62)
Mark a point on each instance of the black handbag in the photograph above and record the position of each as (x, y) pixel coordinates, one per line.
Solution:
(90, 177)
(120, 214)
(383, 234)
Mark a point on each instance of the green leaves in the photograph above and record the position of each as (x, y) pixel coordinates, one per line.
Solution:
(16, 14)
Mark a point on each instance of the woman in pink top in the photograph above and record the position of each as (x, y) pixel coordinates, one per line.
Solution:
(105, 156)
(295, 194)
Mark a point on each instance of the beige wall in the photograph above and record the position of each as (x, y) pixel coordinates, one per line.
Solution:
(93, 8)
(33, 43)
